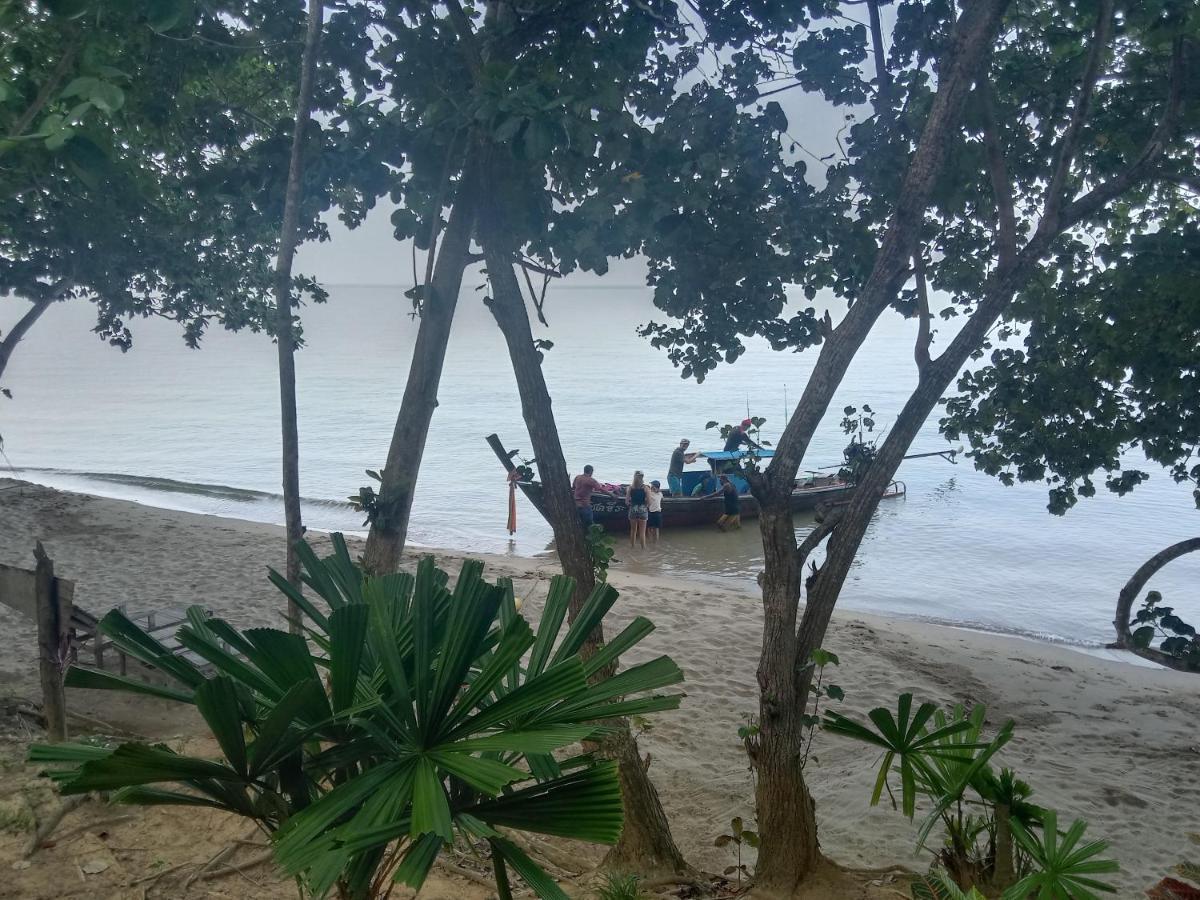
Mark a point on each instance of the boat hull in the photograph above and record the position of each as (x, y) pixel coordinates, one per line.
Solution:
(697, 512)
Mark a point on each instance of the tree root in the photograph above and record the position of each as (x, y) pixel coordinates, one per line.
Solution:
(44, 830)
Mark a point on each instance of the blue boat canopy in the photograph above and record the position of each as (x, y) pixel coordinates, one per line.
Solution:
(721, 455)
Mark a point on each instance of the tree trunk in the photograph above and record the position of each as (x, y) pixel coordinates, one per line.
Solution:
(1134, 585)
(17, 332)
(1129, 594)
(289, 237)
(53, 627)
(646, 843)
(389, 527)
(785, 811)
(1004, 874)
(784, 802)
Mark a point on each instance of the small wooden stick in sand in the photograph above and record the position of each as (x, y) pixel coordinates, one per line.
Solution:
(44, 830)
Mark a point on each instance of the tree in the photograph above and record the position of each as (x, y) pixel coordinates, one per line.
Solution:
(289, 235)
(541, 105)
(145, 158)
(1017, 150)
(121, 137)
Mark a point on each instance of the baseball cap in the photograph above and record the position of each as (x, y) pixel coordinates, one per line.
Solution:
(656, 483)
(746, 422)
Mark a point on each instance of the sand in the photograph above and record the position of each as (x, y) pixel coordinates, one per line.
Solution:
(1114, 743)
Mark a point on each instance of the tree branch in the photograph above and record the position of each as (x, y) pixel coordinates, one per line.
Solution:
(466, 35)
(44, 95)
(1055, 191)
(924, 318)
(822, 530)
(533, 295)
(18, 330)
(434, 226)
(1154, 148)
(1002, 193)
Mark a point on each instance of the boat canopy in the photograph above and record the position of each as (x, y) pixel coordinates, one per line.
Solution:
(721, 455)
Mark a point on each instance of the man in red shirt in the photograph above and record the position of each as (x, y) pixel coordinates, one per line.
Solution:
(583, 487)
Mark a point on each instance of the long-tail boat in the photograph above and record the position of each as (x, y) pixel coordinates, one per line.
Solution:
(688, 511)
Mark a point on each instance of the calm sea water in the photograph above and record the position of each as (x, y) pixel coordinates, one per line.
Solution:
(198, 431)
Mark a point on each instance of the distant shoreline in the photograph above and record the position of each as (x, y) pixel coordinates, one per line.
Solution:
(161, 496)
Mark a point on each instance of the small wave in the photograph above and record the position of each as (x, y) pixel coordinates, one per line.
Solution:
(174, 486)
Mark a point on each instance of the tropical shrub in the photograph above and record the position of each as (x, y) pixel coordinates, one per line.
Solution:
(993, 836)
(620, 886)
(409, 714)
(1155, 622)
(739, 836)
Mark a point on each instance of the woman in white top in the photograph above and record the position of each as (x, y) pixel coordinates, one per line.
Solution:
(654, 497)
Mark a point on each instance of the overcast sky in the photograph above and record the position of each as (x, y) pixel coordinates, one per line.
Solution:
(370, 255)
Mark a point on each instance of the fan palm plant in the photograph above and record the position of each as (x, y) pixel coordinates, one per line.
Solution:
(407, 714)
(942, 757)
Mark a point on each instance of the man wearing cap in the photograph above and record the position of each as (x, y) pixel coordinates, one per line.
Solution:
(738, 436)
(679, 458)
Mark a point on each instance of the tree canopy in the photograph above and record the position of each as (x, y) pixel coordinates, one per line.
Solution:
(145, 153)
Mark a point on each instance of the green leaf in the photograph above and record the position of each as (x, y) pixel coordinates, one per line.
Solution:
(217, 702)
(135, 764)
(97, 680)
(430, 808)
(534, 876)
(584, 805)
(348, 636)
(418, 860)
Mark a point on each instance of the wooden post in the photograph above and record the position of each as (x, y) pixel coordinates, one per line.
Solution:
(53, 623)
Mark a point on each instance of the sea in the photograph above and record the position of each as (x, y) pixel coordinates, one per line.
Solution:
(197, 430)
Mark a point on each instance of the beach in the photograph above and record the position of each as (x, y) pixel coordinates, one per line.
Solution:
(1114, 743)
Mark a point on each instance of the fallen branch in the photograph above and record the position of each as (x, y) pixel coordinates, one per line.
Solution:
(239, 868)
(159, 874)
(44, 830)
(464, 872)
(88, 826)
(220, 856)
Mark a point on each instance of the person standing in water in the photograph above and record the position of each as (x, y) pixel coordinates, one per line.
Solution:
(639, 512)
(583, 487)
(654, 497)
(732, 519)
(679, 458)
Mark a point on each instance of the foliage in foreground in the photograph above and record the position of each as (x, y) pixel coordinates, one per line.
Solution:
(405, 719)
(1179, 639)
(995, 838)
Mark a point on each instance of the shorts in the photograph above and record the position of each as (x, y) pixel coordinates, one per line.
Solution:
(675, 484)
(585, 516)
(638, 512)
(654, 519)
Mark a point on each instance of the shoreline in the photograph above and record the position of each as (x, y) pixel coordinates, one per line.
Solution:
(1095, 649)
(1097, 738)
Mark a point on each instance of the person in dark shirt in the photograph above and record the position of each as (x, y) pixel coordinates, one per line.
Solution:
(679, 458)
(732, 517)
(738, 436)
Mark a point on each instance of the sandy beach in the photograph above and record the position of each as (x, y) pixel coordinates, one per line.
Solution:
(1114, 743)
